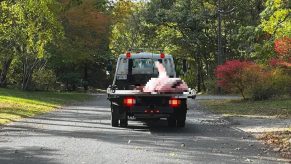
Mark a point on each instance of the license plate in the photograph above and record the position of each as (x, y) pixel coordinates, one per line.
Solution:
(121, 77)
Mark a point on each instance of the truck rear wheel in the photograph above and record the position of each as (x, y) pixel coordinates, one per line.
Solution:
(114, 117)
(181, 119)
(124, 122)
(181, 123)
(171, 122)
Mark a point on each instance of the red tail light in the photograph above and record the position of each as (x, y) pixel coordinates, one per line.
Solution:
(162, 55)
(174, 102)
(129, 101)
(128, 54)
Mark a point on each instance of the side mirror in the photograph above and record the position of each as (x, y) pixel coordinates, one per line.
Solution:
(192, 94)
(185, 68)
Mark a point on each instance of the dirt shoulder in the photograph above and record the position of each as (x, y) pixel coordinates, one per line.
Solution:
(272, 131)
(268, 121)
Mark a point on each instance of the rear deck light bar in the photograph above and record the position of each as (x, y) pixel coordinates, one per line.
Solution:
(129, 101)
(152, 111)
(174, 102)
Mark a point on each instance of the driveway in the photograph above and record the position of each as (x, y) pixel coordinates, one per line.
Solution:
(82, 134)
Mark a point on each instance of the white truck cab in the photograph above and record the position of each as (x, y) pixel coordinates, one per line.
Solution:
(135, 69)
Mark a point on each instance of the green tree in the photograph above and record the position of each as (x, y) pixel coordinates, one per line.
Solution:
(8, 36)
(40, 27)
(29, 27)
(276, 18)
(126, 26)
(275, 23)
(80, 60)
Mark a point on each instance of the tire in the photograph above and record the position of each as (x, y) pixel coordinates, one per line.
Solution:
(181, 123)
(114, 117)
(181, 120)
(171, 122)
(124, 122)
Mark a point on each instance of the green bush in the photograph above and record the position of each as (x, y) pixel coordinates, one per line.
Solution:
(281, 82)
(211, 86)
(71, 81)
(262, 91)
(190, 78)
(275, 84)
(44, 79)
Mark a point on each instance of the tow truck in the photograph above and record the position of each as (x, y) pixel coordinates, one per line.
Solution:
(127, 99)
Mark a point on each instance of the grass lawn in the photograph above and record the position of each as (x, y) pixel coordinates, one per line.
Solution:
(15, 104)
(279, 108)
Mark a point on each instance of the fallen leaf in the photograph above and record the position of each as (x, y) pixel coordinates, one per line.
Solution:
(173, 154)
(248, 160)
(277, 149)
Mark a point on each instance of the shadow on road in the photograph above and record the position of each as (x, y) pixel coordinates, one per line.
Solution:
(29, 155)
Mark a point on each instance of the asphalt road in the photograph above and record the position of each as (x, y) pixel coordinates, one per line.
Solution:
(82, 134)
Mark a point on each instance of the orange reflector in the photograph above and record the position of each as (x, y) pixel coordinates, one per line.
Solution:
(129, 101)
(174, 102)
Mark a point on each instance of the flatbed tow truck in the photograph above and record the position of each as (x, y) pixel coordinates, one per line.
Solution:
(128, 99)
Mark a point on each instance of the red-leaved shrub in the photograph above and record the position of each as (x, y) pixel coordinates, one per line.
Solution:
(283, 46)
(250, 79)
(238, 76)
(283, 50)
(277, 62)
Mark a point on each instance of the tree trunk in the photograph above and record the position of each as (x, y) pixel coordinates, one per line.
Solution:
(198, 75)
(203, 81)
(4, 71)
(27, 77)
(85, 83)
(28, 67)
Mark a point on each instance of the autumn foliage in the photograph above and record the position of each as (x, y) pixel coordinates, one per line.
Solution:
(87, 26)
(277, 62)
(283, 49)
(283, 46)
